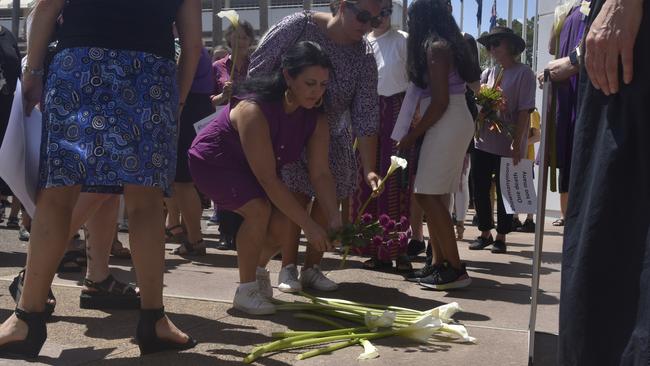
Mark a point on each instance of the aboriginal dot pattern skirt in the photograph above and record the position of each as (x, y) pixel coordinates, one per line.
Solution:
(109, 119)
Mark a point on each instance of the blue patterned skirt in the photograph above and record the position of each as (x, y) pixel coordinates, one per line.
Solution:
(109, 119)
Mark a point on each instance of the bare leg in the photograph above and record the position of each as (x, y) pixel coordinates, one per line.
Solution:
(439, 223)
(173, 213)
(564, 199)
(101, 235)
(146, 235)
(189, 205)
(15, 207)
(290, 247)
(48, 241)
(251, 237)
(281, 233)
(313, 257)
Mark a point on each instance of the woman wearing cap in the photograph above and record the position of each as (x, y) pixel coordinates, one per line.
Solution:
(517, 81)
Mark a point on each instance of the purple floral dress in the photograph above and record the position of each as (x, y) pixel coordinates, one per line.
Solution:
(352, 91)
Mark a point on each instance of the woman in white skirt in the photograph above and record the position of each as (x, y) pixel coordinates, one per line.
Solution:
(439, 65)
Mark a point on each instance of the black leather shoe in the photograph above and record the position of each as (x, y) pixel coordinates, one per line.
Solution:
(32, 344)
(146, 336)
(499, 247)
(227, 243)
(480, 243)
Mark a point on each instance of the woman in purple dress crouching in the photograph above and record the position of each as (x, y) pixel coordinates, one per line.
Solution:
(236, 161)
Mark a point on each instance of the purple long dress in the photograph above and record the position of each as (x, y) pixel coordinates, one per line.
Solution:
(567, 95)
(217, 161)
(352, 87)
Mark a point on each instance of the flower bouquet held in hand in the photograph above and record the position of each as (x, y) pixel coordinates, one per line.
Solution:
(365, 230)
(491, 101)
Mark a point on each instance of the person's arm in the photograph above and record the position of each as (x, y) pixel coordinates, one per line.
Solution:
(611, 37)
(522, 127)
(560, 70)
(255, 138)
(266, 58)
(319, 171)
(364, 117)
(44, 19)
(438, 60)
(223, 97)
(188, 23)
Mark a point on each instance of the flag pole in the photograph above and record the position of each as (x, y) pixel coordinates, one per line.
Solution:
(524, 32)
(509, 13)
(462, 12)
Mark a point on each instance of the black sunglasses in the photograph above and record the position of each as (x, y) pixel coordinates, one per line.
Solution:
(386, 12)
(364, 16)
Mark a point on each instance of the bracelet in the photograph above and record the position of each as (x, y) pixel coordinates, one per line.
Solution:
(33, 72)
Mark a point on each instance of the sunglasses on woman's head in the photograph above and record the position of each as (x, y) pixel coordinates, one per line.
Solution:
(386, 12)
(364, 16)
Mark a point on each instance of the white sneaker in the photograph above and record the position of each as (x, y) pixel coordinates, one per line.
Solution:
(249, 300)
(314, 278)
(264, 282)
(288, 279)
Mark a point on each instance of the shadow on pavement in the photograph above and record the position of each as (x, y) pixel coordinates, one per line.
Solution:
(13, 259)
(484, 289)
(511, 269)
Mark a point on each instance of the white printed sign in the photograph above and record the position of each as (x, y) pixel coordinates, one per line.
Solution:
(517, 186)
(198, 126)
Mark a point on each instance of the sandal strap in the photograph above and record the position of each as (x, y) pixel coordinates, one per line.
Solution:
(168, 230)
(29, 317)
(111, 286)
(152, 315)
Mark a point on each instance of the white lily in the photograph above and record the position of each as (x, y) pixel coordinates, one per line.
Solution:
(385, 320)
(422, 330)
(395, 162)
(231, 15)
(458, 330)
(445, 312)
(369, 351)
(585, 8)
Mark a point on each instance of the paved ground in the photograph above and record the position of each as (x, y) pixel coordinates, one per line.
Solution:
(198, 295)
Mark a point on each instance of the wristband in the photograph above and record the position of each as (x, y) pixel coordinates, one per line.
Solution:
(28, 70)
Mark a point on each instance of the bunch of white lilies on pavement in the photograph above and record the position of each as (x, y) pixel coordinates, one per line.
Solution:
(376, 321)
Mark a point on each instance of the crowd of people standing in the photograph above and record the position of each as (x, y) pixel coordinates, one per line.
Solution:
(305, 127)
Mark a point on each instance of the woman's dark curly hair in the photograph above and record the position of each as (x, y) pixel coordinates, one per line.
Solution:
(430, 21)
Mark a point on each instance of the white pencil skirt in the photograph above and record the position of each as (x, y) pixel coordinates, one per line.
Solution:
(444, 147)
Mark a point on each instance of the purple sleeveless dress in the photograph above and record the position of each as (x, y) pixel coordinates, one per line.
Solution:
(217, 161)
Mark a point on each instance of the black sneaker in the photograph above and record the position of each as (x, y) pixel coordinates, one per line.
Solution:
(516, 223)
(227, 243)
(415, 248)
(480, 243)
(499, 247)
(447, 278)
(528, 226)
(423, 272)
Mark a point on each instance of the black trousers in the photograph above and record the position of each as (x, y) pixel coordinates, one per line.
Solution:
(484, 166)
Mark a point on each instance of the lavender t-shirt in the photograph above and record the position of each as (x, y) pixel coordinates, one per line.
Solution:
(518, 85)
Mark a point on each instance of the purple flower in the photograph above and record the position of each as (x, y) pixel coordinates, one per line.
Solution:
(383, 253)
(383, 220)
(403, 239)
(404, 222)
(366, 218)
(377, 240)
(390, 226)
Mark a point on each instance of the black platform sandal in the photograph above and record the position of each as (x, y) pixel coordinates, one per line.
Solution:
(187, 248)
(32, 344)
(109, 294)
(148, 341)
(16, 290)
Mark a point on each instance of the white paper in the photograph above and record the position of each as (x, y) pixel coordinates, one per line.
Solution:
(198, 126)
(517, 186)
(407, 111)
(20, 153)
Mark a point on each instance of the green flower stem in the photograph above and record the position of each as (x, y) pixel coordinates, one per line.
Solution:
(345, 257)
(289, 334)
(334, 338)
(319, 319)
(328, 349)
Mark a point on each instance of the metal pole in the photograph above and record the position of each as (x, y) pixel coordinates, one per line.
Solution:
(462, 11)
(509, 13)
(306, 4)
(524, 32)
(217, 31)
(15, 17)
(264, 16)
(536, 36)
(541, 213)
(405, 7)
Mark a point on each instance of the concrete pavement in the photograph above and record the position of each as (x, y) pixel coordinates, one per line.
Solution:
(198, 295)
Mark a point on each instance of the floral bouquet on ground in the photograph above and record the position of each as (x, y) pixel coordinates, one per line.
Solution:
(492, 101)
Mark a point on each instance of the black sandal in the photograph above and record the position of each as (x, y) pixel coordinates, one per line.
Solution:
(374, 264)
(16, 290)
(109, 294)
(148, 340)
(187, 248)
(31, 346)
(175, 238)
(72, 262)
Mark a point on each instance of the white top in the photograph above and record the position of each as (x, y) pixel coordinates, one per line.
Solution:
(390, 54)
